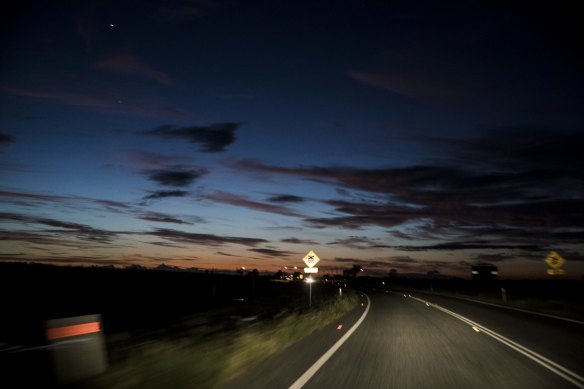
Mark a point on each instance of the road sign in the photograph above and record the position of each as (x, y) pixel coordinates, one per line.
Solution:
(555, 272)
(555, 260)
(311, 269)
(311, 259)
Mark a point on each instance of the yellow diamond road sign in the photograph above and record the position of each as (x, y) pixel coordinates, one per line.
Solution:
(311, 259)
(555, 260)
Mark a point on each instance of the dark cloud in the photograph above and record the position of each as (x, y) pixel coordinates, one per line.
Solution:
(212, 139)
(167, 244)
(286, 199)
(5, 139)
(162, 194)
(483, 258)
(356, 242)
(455, 246)
(238, 201)
(203, 239)
(37, 238)
(113, 205)
(524, 148)
(226, 254)
(510, 188)
(162, 218)
(177, 178)
(76, 260)
(299, 241)
(272, 252)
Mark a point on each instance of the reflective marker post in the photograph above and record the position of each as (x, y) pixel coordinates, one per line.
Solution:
(77, 347)
(310, 281)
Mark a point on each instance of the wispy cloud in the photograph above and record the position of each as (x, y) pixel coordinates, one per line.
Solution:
(163, 194)
(357, 242)
(203, 239)
(162, 218)
(149, 160)
(238, 201)
(98, 102)
(272, 252)
(411, 85)
(79, 231)
(126, 63)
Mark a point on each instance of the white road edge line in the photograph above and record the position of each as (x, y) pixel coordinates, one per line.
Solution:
(523, 310)
(563, 372)
(304, 378)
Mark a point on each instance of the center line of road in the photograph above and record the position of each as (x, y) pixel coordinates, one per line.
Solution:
(300, 382)
(563, 372)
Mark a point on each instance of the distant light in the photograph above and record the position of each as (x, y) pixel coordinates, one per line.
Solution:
(285, 267)
(361, 269)
(382, 282)
(295, 267)
(475, 272)
(111, 25)
(494, 272)
(243, 268)
(310, 280)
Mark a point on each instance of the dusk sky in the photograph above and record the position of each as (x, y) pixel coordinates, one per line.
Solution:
(214, 134)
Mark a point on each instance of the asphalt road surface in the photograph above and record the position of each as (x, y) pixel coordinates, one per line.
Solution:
(427, 341)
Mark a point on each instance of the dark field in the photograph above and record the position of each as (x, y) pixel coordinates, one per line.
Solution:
(137, 306)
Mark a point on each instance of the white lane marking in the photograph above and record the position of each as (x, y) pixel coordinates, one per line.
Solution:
(300, 382)
(563, 372)
(476, 328)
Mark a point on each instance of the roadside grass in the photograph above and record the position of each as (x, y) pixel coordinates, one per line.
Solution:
(206, 356)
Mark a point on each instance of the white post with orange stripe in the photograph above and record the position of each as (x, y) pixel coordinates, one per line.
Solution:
(78, 347)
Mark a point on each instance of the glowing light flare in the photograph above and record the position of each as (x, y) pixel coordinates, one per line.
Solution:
(73, 330)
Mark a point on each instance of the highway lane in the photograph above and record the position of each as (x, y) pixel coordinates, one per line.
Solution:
(404, 343)
(559, 340)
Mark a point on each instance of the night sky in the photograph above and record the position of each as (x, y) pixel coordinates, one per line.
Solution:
(419, 136)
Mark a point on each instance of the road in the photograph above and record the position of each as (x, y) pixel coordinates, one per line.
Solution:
(427, 341)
